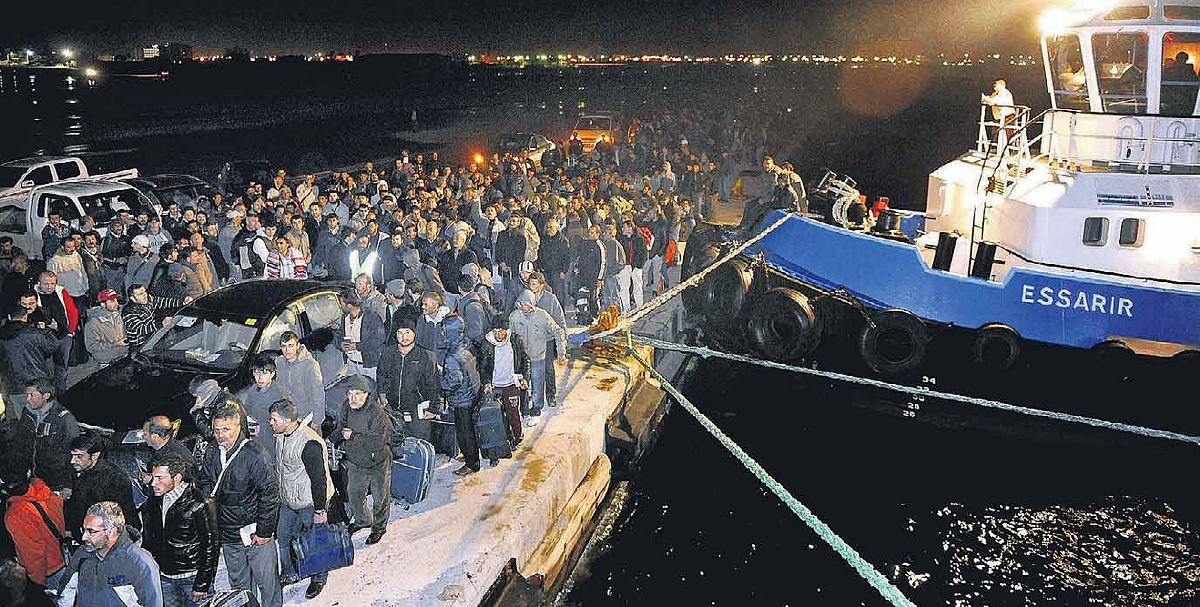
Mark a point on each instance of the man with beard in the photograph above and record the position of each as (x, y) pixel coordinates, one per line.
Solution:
(409, 382)
(113, 567)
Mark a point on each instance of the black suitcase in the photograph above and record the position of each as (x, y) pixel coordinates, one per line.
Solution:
(443, 435)
(492, 430)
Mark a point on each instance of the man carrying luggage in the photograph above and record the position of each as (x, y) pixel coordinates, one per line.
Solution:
(305, 487)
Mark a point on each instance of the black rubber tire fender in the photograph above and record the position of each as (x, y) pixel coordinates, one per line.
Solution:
(894, 342)
(996, 346)
(724, 292)
(783, 326)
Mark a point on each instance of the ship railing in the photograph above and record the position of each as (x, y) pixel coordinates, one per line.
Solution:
(1003, 133)
(1101, 142)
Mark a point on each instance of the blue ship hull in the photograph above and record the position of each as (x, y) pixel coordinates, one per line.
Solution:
(1075, 311)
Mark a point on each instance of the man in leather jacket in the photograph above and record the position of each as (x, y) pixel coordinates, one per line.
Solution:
(184, 540)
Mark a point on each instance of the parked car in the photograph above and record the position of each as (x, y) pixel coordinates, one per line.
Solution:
(23, 218)
(216, 336)
(541, 150)
(18, 177)
(596, 127)
(186, 190)
(235, 175)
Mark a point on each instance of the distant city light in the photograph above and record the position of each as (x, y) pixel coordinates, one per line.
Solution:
(90, 72)
(66, 52)
(28, 53)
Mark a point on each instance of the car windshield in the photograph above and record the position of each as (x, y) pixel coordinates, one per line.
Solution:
(207, 342)
(103, 207)
(593, 123)
(9, 176)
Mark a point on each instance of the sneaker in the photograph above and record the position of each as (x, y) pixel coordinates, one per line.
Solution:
(532, 421)
(465, 471)
(375, 537)
(314, 589)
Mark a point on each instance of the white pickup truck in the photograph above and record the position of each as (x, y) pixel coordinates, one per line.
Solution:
(23, 217)
(18, 177)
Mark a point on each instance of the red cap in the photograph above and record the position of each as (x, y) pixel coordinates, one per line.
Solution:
(106, 295)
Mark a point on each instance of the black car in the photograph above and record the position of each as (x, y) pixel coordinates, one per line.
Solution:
(186, 190)
(216, 336)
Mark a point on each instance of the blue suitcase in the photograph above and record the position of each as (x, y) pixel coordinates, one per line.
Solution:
(492, 431)
(323, 548)
(412, 470)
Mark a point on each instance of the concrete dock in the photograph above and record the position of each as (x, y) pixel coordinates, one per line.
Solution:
(451, 547)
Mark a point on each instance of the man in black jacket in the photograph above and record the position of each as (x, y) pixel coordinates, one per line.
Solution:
(99, 481)
(240, 477)
(590, 269)
(180, 532)
(27, 352)
(504, 368)
(554, 260)
(52, 428)
(410, 385)
(362, 432)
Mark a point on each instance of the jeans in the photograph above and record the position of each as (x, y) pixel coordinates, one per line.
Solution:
(255, 568)
(177, 592)
(653, 271)
(292, 524)
(551, 382)
(631, 282)
(558, 284)
(537, 385)
(62, 360)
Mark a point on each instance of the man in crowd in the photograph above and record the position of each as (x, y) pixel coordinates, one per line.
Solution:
(305, 486)
(140, 269)
(362, 432)
(299, 376)
(409, 382)
(461, 385)
(28, 500)
(113, 567)
(62, 318)
(104, 334)
(98, 481)
(159, 432)
(27, 355)
(544, 299)
(590, 270)
(67, 265)
(238, 474)
(53, 428)
(536, 328)
(257, 398)
(180, 531)
(361, 337)
(636, 256)
(141, 312)
(504, 368)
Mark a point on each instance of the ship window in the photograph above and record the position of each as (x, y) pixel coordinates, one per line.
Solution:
(1095, 231)
(1121, 71)
(1181, 12)
(1131, 232)
(1066, 65)
(1179, 80)
(1126, 13)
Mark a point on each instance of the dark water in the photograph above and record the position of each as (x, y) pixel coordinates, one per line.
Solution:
(974, 510)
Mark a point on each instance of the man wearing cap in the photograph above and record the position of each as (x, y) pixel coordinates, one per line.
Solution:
(504, 370)
(473, 311)
(362, 431)
(104, 334)
(140, 269)
(410, 384)
(536, 329)
(515, 286)
(361, 337)
(399, 305)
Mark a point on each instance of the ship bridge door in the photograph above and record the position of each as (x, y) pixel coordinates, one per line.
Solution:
(1180, 82)
(1066, 73)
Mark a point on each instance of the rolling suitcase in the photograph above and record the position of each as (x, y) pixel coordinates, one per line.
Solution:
(443, 435)
(492, 431)
(323, 548)
(412, 470)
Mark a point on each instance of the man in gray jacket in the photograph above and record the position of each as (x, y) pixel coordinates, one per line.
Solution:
(112, 567)
(536, 328)
(362, 431)
(299, 376)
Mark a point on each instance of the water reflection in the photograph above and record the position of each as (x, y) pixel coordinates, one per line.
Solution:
(41, 110)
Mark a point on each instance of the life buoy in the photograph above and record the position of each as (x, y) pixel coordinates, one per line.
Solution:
(893, 342)
(723, 294)
(996, 347)
(783, 326)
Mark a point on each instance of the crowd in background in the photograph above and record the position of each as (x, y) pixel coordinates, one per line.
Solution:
(465, 278)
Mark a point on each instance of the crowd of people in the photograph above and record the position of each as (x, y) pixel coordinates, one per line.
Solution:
(465, 279)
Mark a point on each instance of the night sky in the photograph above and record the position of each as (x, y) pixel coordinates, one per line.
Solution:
(581, 26)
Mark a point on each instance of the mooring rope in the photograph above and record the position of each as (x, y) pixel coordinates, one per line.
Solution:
(848, 553)
(949, 396)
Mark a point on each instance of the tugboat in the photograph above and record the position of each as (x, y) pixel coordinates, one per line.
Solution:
(1075, 231)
